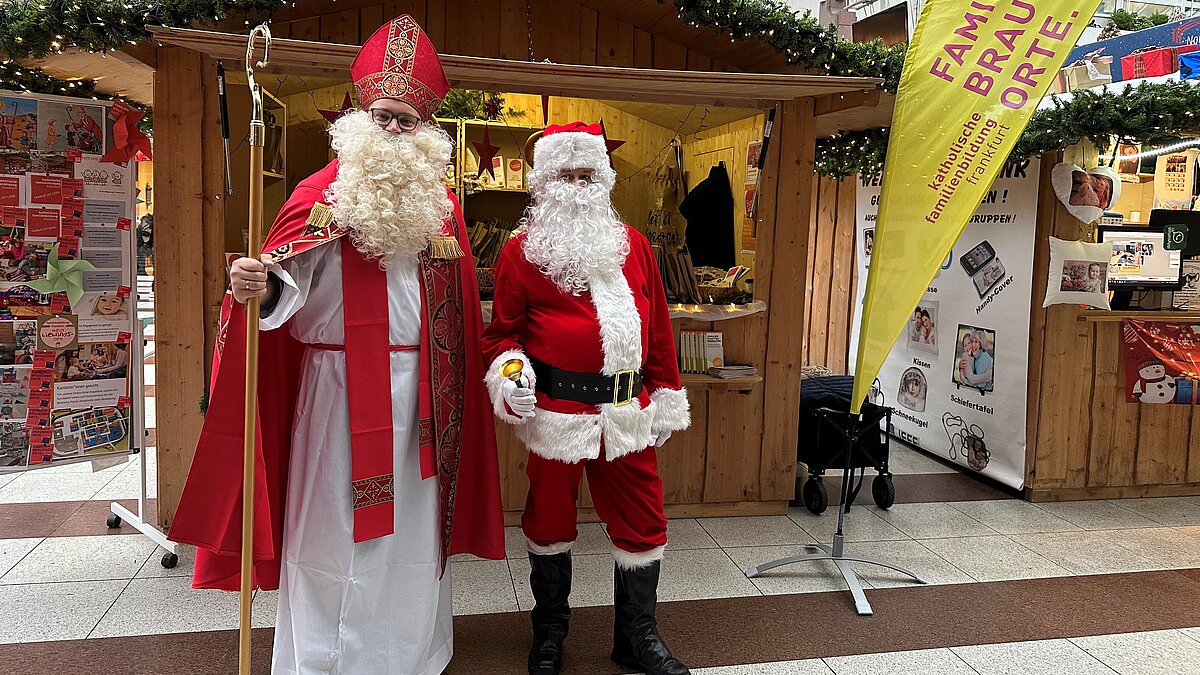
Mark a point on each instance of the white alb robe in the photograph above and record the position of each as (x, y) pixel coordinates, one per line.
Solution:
(376, 607)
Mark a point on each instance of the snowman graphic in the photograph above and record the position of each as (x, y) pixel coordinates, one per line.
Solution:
(1153, 384)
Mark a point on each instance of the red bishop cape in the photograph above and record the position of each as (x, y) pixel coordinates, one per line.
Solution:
(456, 431)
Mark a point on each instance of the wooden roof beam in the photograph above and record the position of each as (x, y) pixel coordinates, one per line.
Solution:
(833, 103)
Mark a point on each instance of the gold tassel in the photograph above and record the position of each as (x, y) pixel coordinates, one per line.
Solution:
(319, 218)
(444, 247)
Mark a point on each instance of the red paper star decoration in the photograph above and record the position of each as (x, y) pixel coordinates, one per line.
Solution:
(332, 115)
(487, 152)
(609, 143)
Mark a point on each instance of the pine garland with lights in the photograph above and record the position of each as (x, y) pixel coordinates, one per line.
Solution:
(798, 36)
(1150, 113)
(35, 28)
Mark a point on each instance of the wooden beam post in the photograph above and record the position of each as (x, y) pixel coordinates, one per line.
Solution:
(179, 282)
(787, 241)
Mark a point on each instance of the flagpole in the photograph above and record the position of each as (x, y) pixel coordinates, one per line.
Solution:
(254, 244)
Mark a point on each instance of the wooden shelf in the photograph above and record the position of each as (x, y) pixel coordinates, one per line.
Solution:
(1165, 316)
(696, 381)
(716, 312)
(272, 174)
(504, 189)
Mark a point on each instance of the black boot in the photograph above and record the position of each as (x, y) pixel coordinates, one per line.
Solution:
(636, 642)
(550, 579)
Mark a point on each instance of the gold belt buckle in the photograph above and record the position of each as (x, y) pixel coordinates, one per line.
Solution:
(618, 399)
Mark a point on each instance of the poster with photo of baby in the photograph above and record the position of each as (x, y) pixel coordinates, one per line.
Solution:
(103, 316)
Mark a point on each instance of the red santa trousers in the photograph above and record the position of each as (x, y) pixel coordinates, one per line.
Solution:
(628, 496)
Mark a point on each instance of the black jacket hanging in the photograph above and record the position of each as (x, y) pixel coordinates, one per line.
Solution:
(709, 212)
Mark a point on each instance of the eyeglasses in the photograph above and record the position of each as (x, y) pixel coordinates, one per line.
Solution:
(383, 117)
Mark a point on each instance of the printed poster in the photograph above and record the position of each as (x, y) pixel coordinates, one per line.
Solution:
(957, 376)
(1161, 362)
(67, 373)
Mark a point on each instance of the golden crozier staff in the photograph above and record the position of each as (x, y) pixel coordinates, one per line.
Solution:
(254, 243)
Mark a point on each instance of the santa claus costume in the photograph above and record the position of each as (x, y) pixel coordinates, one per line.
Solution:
(579, 304)
(361, 495)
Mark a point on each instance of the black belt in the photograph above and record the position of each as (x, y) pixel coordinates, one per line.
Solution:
(619, 389)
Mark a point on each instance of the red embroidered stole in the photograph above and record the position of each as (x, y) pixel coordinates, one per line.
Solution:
(368, 375)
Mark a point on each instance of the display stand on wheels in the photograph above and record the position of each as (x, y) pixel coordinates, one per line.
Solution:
(853, 429)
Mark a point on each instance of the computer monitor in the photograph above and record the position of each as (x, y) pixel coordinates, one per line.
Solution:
(1162, 217)
(1140, 261)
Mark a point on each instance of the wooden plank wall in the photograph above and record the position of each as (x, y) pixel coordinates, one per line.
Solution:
(564, 32)
(832, 275)
(1084, 440)
(186, 133)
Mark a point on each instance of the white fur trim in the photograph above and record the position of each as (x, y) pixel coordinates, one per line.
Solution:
(562, 437)
(573, 438)
(671, 410)
(495, 381)
(552, 549)
(570, 150)
(632, 561)
(620, 323)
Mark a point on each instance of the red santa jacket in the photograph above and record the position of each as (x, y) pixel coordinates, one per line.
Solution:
(621, 323)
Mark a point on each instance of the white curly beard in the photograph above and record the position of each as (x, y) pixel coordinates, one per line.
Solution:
(573, 233)
(389, 189)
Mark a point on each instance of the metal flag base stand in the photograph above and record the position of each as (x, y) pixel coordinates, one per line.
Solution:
(835, 553)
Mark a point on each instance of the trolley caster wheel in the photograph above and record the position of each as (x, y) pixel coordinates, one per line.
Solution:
(816, 498)
(883, 490)
(114, 521)
(170, 560)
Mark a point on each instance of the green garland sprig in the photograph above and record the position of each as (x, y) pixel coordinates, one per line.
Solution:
(1149, 113)
(35, 28)
(798, 36)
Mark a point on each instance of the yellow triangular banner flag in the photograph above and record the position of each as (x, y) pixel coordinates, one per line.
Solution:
(974, 74)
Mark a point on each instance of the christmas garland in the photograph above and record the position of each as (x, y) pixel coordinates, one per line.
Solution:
(798, 36)
(35, 28)
(1150, 113)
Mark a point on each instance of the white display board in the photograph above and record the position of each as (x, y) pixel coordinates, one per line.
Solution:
(70, 371)
(957, 377)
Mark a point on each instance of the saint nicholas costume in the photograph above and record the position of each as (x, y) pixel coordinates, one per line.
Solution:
(361, 496)
(602, 363)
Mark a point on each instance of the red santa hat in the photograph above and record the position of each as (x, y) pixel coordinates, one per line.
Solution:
(578, 145)
(400, 62)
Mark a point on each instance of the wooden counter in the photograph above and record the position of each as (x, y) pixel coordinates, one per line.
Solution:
(1084, 440)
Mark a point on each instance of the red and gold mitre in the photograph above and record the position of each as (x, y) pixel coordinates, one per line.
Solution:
(400, 62)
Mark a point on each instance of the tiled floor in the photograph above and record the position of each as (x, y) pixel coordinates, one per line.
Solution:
(1173, 652)
(62, 588)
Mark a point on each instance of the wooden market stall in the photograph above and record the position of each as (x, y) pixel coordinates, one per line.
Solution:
(739, 455)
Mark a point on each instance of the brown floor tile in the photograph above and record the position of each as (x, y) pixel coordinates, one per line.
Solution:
(36, 519)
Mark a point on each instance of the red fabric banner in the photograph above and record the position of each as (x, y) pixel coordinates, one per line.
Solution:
(1162, 362)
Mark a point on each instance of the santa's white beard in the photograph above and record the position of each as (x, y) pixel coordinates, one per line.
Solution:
(574, 233)
(389, 189)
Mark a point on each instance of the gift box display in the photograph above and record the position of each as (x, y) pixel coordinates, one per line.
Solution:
(1154, 61)
(1092, 70)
